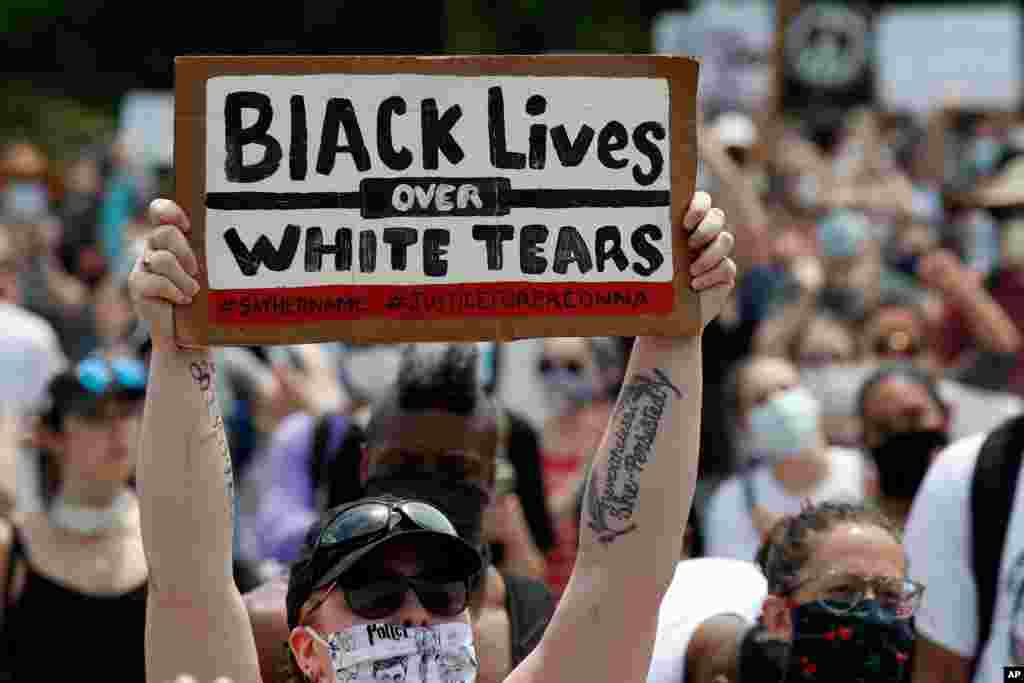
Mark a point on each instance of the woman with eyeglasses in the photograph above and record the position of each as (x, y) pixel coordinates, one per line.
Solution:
(387, 578)
(838, 595)
(80, 560)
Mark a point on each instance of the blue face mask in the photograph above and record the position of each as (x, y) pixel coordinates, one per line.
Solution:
(841, 234)
(27, 200)
(983, 155)
(785, 425)
(867, 645)
(575, 387)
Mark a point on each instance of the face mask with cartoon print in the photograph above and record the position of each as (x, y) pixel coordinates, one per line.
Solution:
(375, 653)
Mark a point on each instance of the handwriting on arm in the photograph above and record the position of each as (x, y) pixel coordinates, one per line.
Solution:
(204, 375)
(613, 490)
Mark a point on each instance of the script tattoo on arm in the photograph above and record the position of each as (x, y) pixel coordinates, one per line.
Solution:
(204, 375)
(613, 494)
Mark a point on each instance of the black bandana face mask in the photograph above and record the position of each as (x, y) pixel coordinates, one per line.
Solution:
(866, 645)
(903, 459)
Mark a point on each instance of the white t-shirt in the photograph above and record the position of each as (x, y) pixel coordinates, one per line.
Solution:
(729, 530)
(701, 589)
(938, 544)
(30, 356)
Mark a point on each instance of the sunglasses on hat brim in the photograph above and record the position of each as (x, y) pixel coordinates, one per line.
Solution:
(100, 376)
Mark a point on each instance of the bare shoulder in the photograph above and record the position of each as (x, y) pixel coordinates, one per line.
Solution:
(270, 595)
(712, 650)
(934, 663)
(6, 538)
(8, 525)
(268, 617)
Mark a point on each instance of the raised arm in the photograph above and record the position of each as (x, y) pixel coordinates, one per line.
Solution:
(196, 621)
(988, 322)
(746, 211)
(639, 494)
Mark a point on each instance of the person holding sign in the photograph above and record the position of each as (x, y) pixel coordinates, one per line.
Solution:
(372, 599)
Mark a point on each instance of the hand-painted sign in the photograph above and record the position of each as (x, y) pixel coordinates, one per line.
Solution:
(409, 199)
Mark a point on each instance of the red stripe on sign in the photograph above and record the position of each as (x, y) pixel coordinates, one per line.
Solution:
(433, 302)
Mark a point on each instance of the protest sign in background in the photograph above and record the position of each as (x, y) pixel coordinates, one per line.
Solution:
(826, 55)
(453, 198)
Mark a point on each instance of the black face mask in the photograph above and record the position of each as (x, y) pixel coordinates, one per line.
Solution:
(762, 658)
(846, 303)
(903, 458)
(868, 646)
(461, 501)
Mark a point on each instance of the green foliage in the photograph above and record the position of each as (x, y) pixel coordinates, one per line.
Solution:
(60, 125)
(15, 15)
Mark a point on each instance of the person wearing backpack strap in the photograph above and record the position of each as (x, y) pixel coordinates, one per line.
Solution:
(965, 541)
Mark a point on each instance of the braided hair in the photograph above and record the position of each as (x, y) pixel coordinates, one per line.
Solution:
(791, 542)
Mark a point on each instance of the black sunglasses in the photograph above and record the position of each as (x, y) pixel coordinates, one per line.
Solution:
(376, 596)
(366, 522)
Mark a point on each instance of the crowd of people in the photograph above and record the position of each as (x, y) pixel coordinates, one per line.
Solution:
(824, 479)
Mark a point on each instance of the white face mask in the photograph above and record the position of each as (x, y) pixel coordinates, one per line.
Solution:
(372, 653)
(785, 425)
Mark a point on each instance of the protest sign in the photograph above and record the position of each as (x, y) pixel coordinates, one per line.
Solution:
(733, 42)
(146, 126)
(825, 54)
(390, 199)
(987, 37)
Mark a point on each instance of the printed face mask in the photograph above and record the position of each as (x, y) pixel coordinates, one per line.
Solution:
(866, 646)
(784, 426)
(372, 653)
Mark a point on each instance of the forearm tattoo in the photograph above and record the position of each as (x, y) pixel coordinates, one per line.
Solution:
(204, 374)
(613, 489)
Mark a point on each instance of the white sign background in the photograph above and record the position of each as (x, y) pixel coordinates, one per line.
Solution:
(926, 54)
(571, 101)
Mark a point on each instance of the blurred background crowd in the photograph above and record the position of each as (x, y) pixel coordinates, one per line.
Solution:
(875, 185)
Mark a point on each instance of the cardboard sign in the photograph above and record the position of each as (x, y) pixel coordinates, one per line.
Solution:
(387, 199)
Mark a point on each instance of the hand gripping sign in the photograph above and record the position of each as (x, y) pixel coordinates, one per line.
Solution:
(391, 199)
